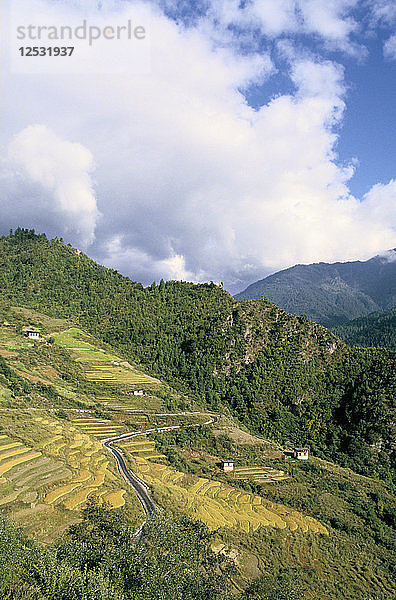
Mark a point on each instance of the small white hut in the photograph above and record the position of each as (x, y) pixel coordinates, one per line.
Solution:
(227, 465)
(301, 453)
(33, 334)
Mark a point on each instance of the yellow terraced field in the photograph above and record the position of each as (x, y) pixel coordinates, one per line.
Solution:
(85, 458)
(5, 467)
(115, 499)
(77, 499)
(219, 505)
(62, 467)
(10, 445)
(13, 452)
(260, 474)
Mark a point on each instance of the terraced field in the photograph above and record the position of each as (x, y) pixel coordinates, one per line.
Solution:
(133, 403)
(99, 428)
(219, 505)
(89, 463)
(260, 474)
(100, 365)
(141, 447)
(48, 482)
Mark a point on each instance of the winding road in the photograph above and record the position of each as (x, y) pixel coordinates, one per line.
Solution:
(141, 489)
(138, 485)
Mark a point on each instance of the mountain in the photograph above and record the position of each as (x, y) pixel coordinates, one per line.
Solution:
(376, 329)
(331, 294)
(299, 529)
(285, 377)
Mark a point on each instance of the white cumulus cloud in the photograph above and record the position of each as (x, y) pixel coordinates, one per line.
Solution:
(63, 170)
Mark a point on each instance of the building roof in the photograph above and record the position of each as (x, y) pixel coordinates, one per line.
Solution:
(228, 460)
(301, 449)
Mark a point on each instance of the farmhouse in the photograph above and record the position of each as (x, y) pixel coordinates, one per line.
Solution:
(138, 392)
(33, 334)
(301, 453)
(227, 465)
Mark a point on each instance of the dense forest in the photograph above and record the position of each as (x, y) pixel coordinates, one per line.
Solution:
(282, 375)
(377, 329)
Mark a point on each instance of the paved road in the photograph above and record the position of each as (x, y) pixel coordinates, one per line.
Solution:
(138, 485)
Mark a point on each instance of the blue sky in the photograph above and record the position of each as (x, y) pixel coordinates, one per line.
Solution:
(367, 132)
(243, 139)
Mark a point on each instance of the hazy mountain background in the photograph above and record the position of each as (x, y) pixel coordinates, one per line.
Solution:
(331, 294)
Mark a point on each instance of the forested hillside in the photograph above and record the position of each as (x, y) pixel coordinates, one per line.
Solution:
(282, 375)
(377, 329)
(331, 294)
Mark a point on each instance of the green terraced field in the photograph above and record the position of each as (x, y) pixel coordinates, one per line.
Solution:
(260, 474)
(140, 447)
(99, 428)
(100, 365)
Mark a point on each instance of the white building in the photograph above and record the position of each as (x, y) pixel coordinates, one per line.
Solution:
(301, 453)
(227, 465)
(33, 334)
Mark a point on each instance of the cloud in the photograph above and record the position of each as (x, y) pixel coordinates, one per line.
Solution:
(383, 13)
(380, 203)
(190, 180)
(60, 172)
(390, 48)
(333, 23)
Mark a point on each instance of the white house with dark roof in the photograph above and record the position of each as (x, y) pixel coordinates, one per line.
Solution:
(301, 453)
(33, 334)
(227, 465)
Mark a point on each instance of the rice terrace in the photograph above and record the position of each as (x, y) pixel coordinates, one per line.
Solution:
(66, 463)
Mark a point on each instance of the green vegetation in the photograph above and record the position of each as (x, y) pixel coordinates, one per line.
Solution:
(101, 559)
(280, 377)
(377, 329)
(284, 377)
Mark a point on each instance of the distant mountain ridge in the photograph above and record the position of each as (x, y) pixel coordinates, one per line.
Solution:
(331, 293)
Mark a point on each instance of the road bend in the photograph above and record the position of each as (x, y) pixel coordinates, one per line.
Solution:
(141, 489)
(138, 485)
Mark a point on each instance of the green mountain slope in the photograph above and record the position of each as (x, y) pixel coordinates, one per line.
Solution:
(377, 329)
(331, 294)
(285, 377)
(52, 461)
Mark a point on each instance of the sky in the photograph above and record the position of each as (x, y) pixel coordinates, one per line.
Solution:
(237, 139)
